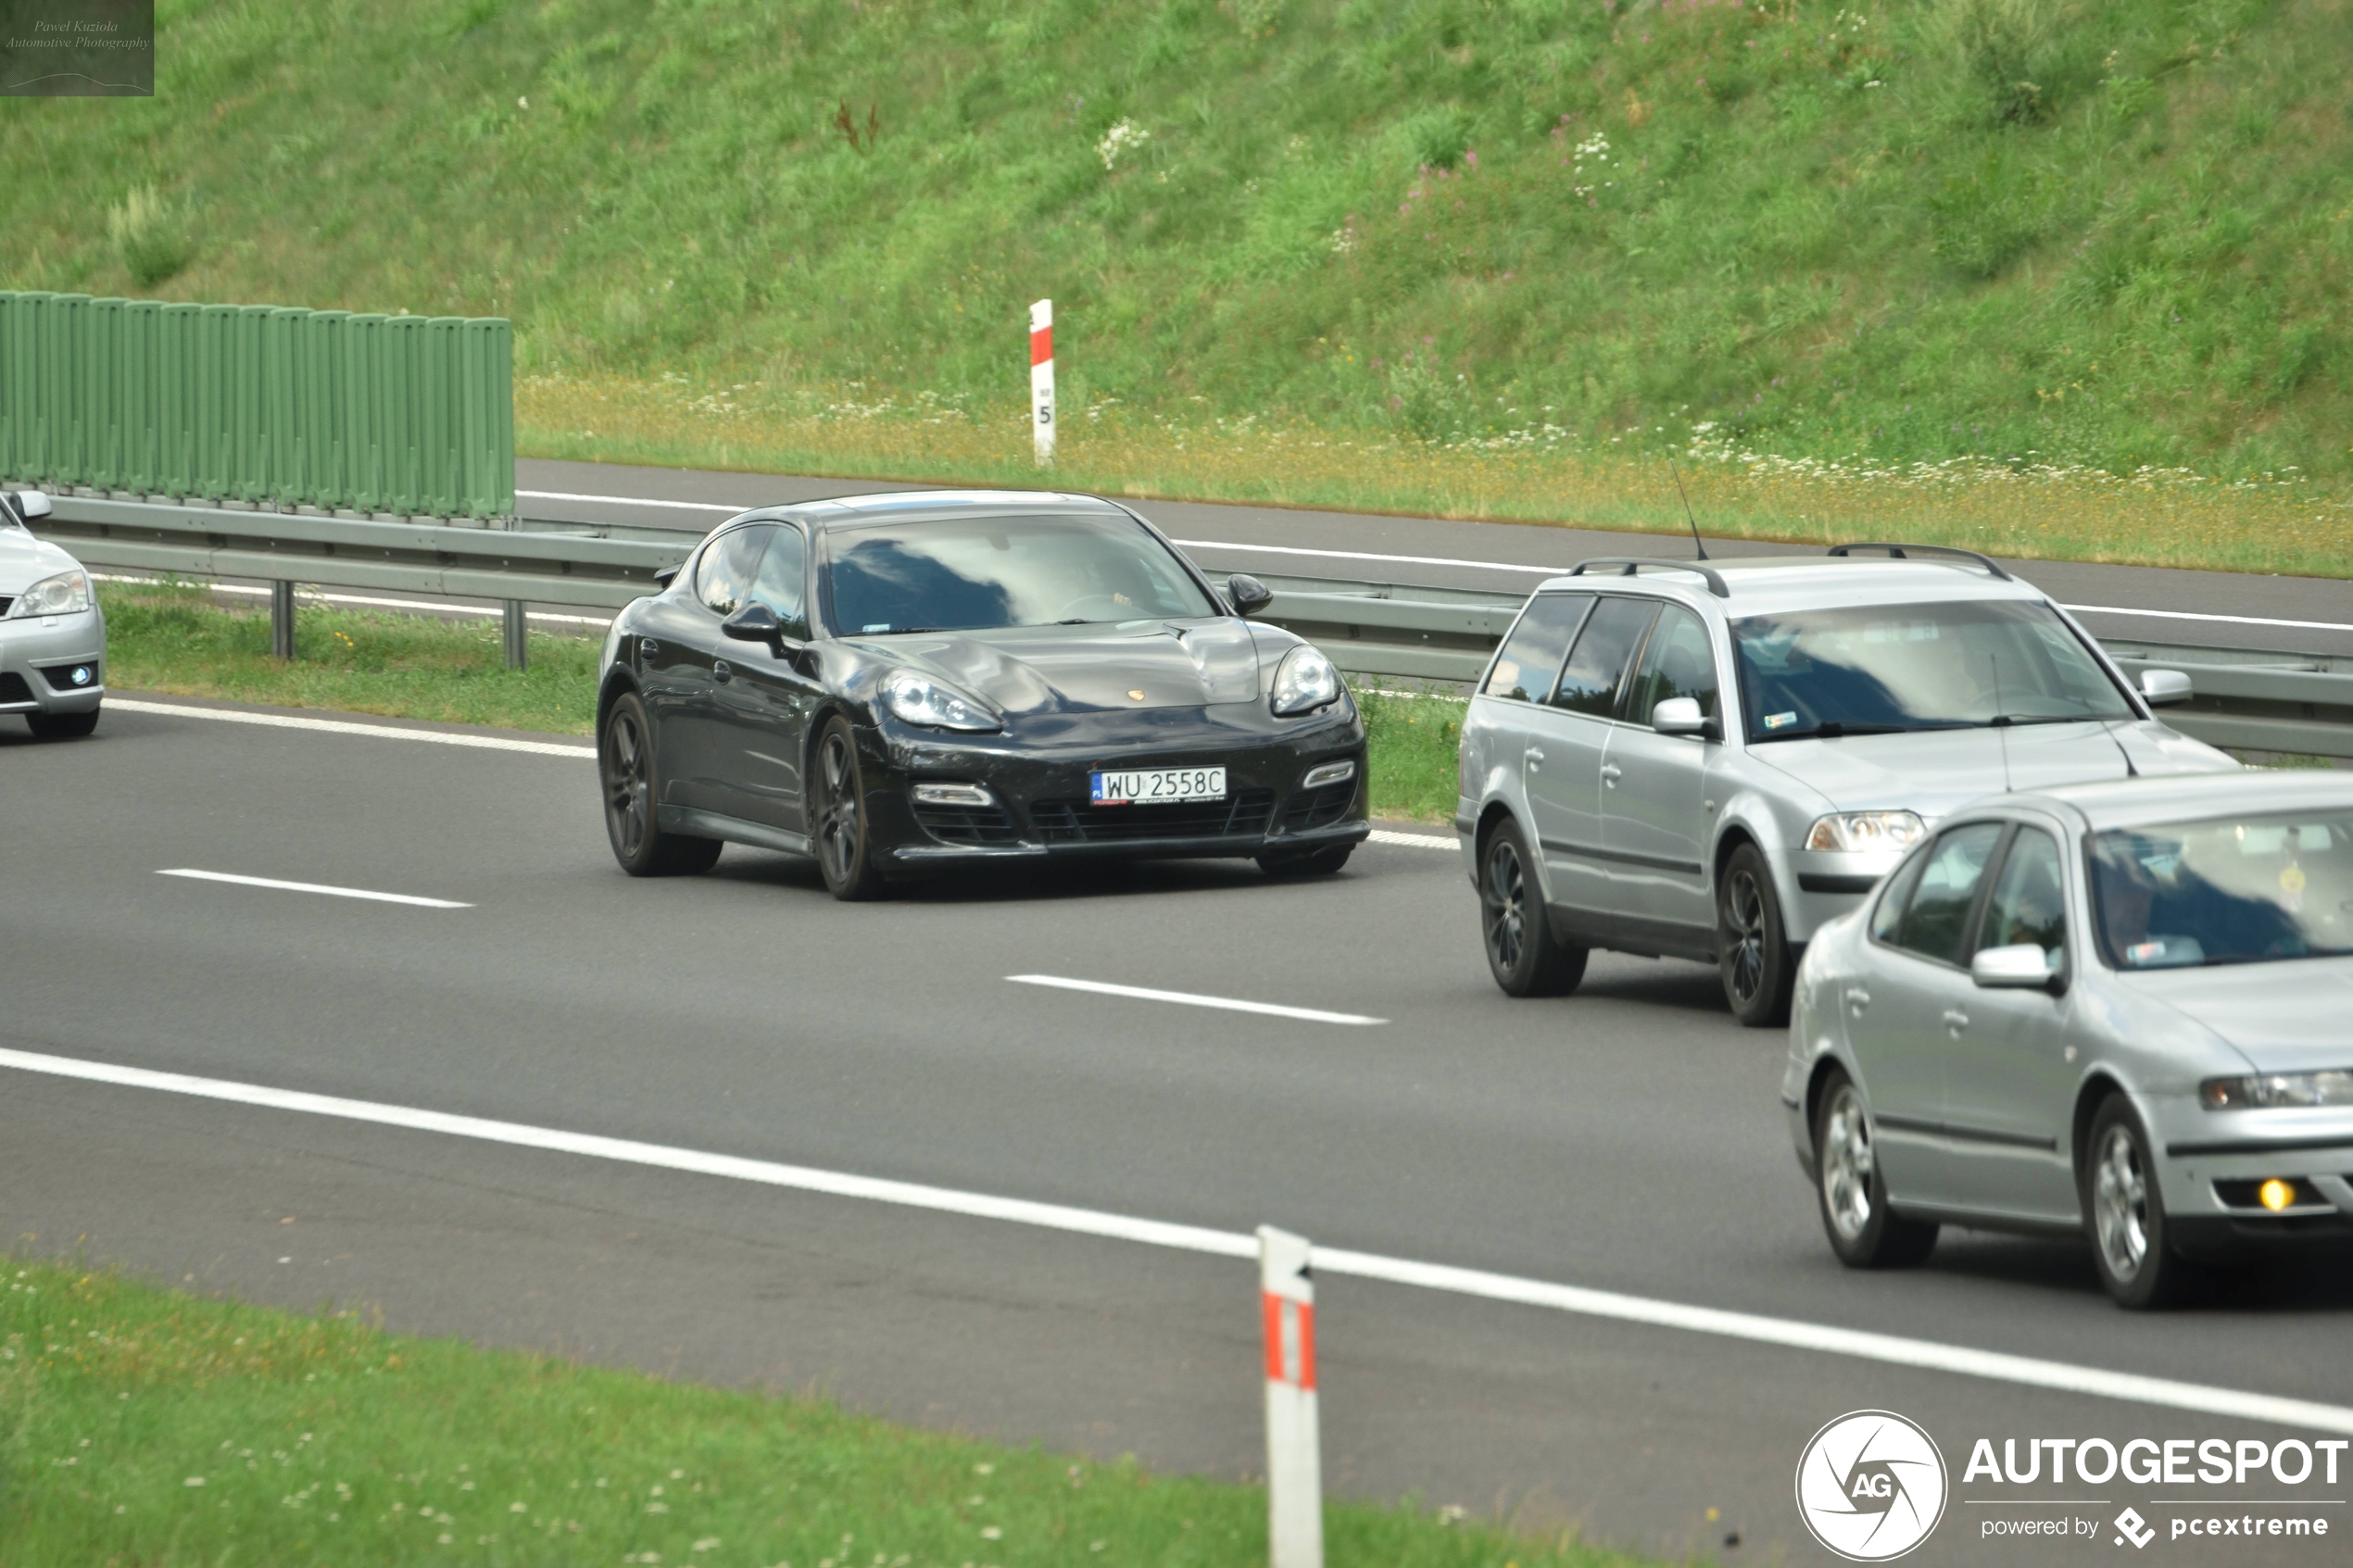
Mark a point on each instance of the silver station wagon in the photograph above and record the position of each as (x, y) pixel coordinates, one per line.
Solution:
(1710, 759)
(2117, 1009)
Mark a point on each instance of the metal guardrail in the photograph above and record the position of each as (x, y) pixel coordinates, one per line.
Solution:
(2246, 698)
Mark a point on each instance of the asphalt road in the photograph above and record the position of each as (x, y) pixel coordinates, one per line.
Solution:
(1628, 1138)
(2104, 596)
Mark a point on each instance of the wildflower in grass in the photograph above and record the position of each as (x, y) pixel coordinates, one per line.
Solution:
(1122, 138)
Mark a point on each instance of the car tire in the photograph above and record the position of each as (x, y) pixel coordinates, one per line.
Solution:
(1307, 862)
(1752, 944)
(61, 726)
(1851, 1190)
(840, 833)
(625, 769)
(2124, 1212)
(1522, 953)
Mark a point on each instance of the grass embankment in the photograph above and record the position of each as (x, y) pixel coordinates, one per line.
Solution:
(1475, 259)
(145, 1426)
(173, 638)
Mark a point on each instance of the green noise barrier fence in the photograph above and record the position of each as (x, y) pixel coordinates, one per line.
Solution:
(258, 404)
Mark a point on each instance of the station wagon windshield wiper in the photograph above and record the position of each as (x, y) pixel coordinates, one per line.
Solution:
(1834, 729)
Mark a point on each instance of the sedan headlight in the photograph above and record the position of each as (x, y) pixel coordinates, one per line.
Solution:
(2278, 1091)
(922, 700)
(1866, 832)
(1305, 682)
(65, 594)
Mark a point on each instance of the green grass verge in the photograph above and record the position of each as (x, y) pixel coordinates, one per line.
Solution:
(142, 1426)
(173, 638)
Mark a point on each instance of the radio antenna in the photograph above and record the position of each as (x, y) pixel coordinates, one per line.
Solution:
(1687, 507)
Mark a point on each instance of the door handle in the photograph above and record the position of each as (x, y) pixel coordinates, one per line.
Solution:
(1857, 999)
(1955, 1021)
(723, 672)
(1610, 773)
(1535, 758)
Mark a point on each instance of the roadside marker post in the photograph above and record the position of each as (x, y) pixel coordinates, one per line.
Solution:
(1041, 380)
(1294, 1454)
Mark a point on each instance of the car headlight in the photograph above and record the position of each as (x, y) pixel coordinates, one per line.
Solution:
(2278, 1091)
(65, 594)
(922, 700)
(1305, 682)
(1865, 832)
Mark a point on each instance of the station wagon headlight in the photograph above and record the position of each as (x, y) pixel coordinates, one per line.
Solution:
(2278, 1091)
(921, 700)
(1862, 833)
(65, 594)
(1305, 682)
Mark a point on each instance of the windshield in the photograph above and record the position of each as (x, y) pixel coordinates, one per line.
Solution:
(957, 574)
(1882, 669)
(2233, 890)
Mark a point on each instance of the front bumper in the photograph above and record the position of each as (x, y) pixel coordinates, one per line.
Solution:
(1037, 777)
(39, 657)
(2213, 1163)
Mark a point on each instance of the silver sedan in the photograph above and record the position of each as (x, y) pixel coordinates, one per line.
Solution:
(53, 637)
(2112, 1010)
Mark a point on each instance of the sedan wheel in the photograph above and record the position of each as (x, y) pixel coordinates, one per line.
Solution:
(1521, 952)
(1864, 1231)
(845, 850)
(1752, 956)
(2125, 1212)
(625, 764)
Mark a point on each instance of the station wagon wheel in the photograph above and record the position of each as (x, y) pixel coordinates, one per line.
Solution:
(1753, 957)
(838, 817)
(2124, 1211)
(625, 766)
(1522, 953)
(1864, 1231)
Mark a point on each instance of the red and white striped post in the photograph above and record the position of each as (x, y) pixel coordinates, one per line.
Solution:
(1041, 380)
(1294, 1453)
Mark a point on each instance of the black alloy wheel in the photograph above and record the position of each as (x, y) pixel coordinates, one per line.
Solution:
(61, 726)
(625, 766)
(1752, 949)
(1521, 952)
(1852, 1189)
(1305, 862)
(2124, 1212)
(838, 817)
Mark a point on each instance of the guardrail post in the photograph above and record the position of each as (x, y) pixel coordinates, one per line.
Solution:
(518, 636)
(282, 621)
(1294, 1458)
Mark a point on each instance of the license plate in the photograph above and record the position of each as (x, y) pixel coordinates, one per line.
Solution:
(1157, 786)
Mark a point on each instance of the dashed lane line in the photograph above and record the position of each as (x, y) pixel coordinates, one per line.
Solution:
(341, 727)
(1189, 999)
(273, 883)
(1649, 1312)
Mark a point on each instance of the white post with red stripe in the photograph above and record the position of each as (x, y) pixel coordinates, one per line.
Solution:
(1294, 1454)
(1041, 380)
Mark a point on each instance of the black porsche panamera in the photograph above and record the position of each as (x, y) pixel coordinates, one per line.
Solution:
(900, 681)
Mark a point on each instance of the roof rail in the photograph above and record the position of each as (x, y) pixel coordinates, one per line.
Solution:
(1629, 565)
(1901, 552)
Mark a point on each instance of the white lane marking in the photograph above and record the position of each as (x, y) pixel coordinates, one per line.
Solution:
(1417, 840)
(312, 597)
(316, 887)
(338, 727)
(1791, 1333)
(1473, 565)
(1186, 998)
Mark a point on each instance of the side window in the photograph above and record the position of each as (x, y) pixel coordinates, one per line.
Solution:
(1676, 661)
(724, 577)
(1889, 914)
(1531, 655)
(1595, 667)
(783, 572)
(2029, 896)
(1935, 917)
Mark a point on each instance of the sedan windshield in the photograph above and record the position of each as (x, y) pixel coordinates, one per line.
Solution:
(2233, 890)
(957, 574)
(1883, 669)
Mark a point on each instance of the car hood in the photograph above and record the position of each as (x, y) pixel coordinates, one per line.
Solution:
(1936, 772)
(1096, 667)
(25, 560)
(2284, 1016)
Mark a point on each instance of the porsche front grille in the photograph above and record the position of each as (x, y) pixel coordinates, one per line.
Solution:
(1078, 822)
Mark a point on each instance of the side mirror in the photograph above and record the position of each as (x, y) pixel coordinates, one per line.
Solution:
(31, 504)
(1680, 716)
(1248, 594)
(665, 575)
(754, 623)
(2162, 688)
(2024, 967)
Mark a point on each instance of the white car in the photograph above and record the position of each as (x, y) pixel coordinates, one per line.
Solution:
(53, 637)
